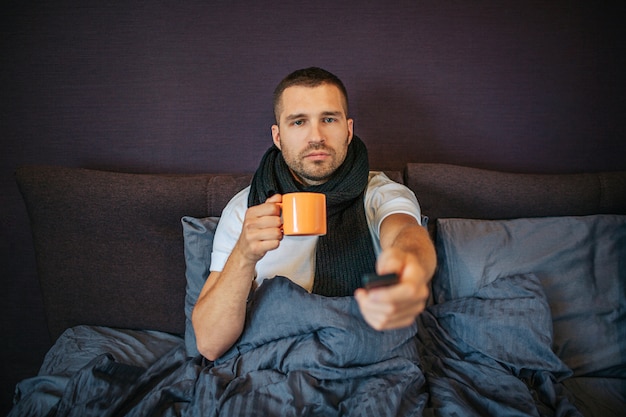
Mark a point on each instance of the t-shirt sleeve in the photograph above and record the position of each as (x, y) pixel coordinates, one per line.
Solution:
(385, 197)
(229, 229)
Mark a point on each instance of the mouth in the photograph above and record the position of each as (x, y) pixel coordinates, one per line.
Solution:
(317, 155)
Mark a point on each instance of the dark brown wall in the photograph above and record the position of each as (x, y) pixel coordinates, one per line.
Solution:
(186, 87)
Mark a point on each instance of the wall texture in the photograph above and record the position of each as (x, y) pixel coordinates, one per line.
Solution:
(167, 86)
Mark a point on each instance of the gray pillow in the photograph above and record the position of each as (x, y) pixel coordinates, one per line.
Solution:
(198, 242)
(507, 320)
(579, 262)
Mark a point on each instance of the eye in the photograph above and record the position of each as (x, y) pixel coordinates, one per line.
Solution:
(298, 122)
(329, 119)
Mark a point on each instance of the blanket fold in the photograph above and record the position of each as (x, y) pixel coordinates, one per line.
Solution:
(303, 354)
(490, 354)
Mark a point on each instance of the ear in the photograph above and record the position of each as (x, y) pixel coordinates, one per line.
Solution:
(350, 129)
(276, 136)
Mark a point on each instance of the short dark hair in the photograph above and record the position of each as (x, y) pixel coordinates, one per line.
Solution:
(308, 77)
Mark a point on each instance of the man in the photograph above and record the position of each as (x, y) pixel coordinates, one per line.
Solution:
(373, 222)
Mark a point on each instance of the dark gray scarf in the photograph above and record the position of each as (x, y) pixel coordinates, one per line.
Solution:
(346, 252)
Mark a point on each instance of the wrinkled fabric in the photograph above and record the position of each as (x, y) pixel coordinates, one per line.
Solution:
(306, 355)
(300, 355)
(490, 354)
(303, 354)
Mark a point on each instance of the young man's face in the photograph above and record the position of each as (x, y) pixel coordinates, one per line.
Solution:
(313, 132)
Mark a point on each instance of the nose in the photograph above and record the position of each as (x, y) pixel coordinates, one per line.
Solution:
(316, 135)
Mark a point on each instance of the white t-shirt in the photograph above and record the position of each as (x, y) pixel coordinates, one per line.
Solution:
(295, 256)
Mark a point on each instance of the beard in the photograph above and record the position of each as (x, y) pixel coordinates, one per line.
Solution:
(314, 172)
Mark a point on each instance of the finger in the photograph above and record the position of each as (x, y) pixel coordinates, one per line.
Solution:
(390, 261)
(375, 313)
(263, 215)
(392, 294)
(263, 228)
(275, 198)
(390, 316)
(382, 319)
(384, 308)
(398, 322)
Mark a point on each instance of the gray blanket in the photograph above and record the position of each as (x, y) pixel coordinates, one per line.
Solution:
(303, 354)
(490, 354)
(300, 355)
(307, 355)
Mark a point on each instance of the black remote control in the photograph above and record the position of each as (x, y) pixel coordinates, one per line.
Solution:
(374, 280)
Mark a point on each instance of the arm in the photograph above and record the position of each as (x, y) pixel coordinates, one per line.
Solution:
(220, 312)
(408, 251)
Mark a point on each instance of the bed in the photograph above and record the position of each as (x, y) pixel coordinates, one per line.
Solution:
(528, 311)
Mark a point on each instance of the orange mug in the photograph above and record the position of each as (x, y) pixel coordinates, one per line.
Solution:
(304, 214)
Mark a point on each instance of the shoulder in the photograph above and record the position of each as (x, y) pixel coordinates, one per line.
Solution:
(385, 197)
(229, 229)
(379, 183)
(235, 210)
(238, 201)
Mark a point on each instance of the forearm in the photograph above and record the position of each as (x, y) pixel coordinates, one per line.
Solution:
(413, 239)
(219, 315)
(407, 251)
(403, 233)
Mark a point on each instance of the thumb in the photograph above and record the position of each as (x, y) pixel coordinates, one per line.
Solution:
(276, 198)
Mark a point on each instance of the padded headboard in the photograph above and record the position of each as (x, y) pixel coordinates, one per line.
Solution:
(109, 245)
(445, 190)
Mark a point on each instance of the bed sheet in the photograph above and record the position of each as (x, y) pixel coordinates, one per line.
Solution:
(307, 355)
